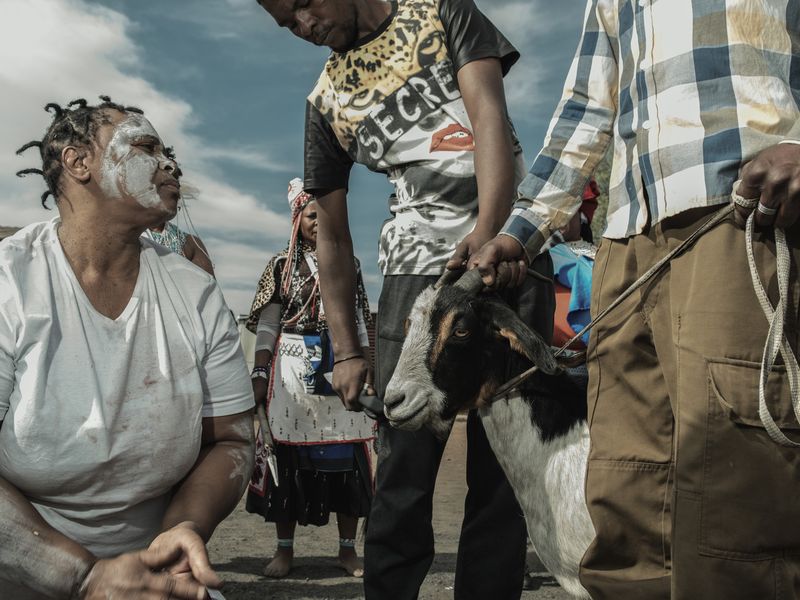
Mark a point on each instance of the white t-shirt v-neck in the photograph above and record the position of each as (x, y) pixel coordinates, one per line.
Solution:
(101, 417)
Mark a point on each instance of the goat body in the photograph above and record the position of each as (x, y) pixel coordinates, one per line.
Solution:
(548, 480)
(459, 348)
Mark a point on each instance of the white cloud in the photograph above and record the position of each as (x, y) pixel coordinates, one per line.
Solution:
(524, 23)
(225, 211)
(245, 156)
(219, 21)
(517, 20)
(58, 50)
(243, 267)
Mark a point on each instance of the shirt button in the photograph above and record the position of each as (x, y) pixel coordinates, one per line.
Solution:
(646, 124)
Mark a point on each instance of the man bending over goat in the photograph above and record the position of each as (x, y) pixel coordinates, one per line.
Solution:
(413, 89)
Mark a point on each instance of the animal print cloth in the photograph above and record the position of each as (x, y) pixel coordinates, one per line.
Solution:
(311, 314)
(392, 103)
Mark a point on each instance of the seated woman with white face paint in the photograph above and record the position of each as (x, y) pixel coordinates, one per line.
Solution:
(125, 403)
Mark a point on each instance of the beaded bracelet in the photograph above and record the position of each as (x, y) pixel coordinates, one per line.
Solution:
(262, 372)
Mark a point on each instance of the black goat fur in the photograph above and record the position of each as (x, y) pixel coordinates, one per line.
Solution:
(480, 360)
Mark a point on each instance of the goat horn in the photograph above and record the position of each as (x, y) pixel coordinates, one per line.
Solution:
(449, 277)
(471, 282)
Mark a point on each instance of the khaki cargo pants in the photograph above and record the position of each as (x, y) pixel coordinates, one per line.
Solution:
(690, 498)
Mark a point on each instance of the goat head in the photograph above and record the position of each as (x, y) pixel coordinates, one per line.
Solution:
(459, 348)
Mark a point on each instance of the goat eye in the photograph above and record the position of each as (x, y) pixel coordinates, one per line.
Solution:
(461, 333)
(406, 326)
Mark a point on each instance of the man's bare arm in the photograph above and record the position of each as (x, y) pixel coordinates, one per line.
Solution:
(337, 280)
(481, 85)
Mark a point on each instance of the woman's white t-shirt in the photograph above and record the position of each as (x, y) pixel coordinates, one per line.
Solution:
(100, 417)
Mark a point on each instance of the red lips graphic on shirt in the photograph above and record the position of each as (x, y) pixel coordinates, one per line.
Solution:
(454, 137)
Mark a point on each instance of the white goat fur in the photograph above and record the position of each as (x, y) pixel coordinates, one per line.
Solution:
(548, 480)
(547, 477)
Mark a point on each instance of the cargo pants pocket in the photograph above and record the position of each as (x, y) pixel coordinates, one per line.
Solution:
(750, 507)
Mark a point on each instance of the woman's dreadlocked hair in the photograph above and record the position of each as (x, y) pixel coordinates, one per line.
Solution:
(70, 127)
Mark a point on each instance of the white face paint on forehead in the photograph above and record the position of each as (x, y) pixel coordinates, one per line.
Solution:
(127, 171)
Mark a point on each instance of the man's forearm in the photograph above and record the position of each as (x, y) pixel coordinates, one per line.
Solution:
(216, 483)
(481, 85)
(547, 203)
(337, 284)
(494, 171)
(337, 280)
(33, 554)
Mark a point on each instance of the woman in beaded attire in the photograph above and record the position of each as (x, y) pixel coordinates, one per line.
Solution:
(321, 449)
(189, 246)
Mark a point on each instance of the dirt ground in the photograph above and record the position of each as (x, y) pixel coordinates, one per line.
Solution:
(242, 543)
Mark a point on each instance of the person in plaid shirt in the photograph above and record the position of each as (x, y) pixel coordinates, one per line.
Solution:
(689, 496)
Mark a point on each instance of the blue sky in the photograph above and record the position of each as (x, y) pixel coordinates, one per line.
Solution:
(227, 88)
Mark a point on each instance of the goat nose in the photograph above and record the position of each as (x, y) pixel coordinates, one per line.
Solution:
(393, 399)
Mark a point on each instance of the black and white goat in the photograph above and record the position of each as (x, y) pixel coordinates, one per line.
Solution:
(459, 348)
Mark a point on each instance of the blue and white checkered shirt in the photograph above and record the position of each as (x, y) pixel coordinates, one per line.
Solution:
(684, 90)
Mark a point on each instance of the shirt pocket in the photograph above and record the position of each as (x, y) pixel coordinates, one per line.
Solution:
(751, 485)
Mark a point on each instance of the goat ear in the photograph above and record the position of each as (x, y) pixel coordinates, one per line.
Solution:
(522, 338)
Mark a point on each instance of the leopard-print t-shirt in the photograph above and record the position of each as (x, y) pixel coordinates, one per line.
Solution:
(392, 103)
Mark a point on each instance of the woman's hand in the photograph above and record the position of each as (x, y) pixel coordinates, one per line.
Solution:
(180, 550)
(262, 363)
(174, 566)
(131, 577)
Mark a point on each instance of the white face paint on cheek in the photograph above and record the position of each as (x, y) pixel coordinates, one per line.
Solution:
(136, 179)
(126, 170)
